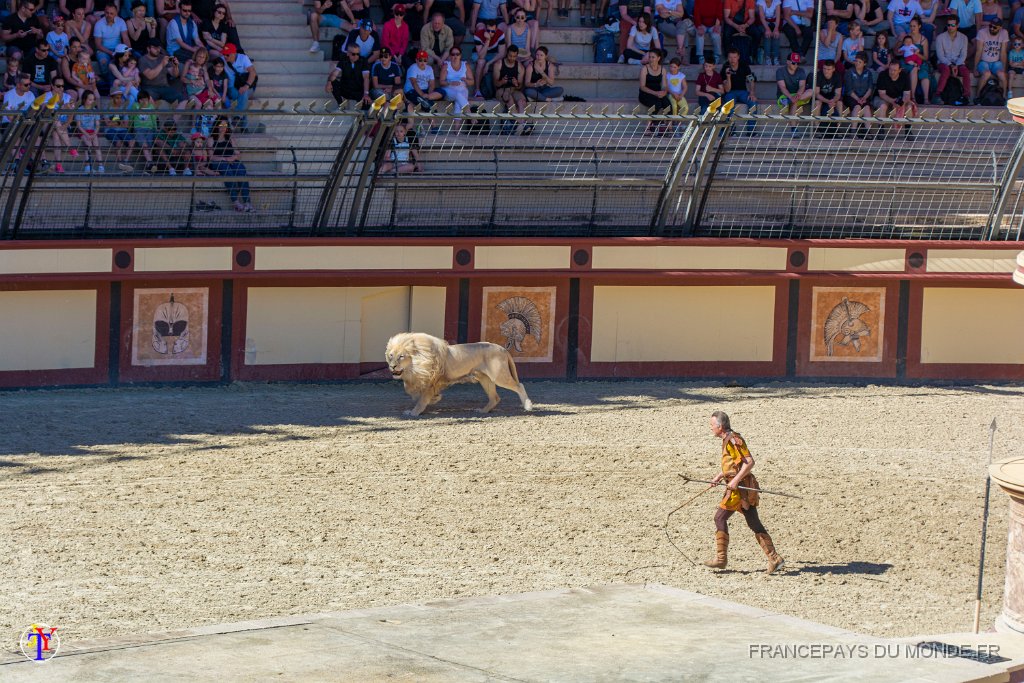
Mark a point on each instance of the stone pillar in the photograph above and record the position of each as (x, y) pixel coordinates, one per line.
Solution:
(1009, 476)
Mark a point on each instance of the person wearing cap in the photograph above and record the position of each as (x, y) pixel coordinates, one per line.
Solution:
(325, 14)
(40, 66)
(107, 34)
(125, 70)
(792, 84)
(395, 35)
(183, 33)
(990, 57)
(242, 80)
(420, 86)
(366, 40)
(436, 39)
(385, 76)
(158, 70)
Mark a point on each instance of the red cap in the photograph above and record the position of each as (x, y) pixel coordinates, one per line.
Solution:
(229, 49)
(399, 10)
(422, 54)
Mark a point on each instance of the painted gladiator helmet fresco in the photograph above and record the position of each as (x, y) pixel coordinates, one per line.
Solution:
(170, 327)
(523, 321)
(844, 326)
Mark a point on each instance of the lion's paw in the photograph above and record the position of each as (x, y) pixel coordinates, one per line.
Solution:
(410, 413)
(527, 405)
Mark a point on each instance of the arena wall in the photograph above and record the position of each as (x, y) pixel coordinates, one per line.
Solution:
(76, 313)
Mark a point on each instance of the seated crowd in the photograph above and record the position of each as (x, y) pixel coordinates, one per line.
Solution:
(125, 59)
(874, 56)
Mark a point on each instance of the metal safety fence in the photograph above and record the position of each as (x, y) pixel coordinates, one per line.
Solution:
(555, 170)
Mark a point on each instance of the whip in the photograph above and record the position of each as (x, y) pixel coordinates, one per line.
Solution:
(745, 488)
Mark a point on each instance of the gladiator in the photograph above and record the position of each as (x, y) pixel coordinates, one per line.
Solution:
(737, 464)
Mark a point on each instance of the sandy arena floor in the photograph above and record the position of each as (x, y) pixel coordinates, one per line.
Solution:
(140, 510)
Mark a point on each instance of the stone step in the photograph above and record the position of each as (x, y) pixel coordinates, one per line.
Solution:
(281, 33)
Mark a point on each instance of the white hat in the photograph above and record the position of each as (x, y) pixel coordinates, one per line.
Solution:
(121, 49)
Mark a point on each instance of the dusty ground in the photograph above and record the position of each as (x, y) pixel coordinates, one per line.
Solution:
(140, 510)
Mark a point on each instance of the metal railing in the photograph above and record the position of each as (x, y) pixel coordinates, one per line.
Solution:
(557, 170)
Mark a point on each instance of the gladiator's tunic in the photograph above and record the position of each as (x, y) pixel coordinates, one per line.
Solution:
(734, 450)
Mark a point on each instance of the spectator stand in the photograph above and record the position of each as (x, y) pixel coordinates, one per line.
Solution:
(580, 171)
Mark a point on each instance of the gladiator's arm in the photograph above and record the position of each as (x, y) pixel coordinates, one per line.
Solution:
(748, 464)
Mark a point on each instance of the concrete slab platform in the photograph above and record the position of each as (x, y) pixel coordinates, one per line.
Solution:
(611, 633)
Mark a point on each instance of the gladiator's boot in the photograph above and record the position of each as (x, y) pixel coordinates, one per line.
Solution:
(774, 559)
(721, 551)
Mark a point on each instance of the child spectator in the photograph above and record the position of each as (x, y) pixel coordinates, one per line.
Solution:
(880, 52)
(117, 133)
(709, 86)
(1016, 56)
(909, 52)
(677, 87)
(402, 157)
(201, 155)
(218, 80)
(83, 77)
(13, 73)
(144, 127)
(60, 139)
(88, 124)
(852, 46)
(58, 38)
(127, 77)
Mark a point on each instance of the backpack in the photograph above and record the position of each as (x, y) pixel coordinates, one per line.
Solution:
(487, 88)
(991, 95)
(953, 93)
(605, 46)
(338, 47)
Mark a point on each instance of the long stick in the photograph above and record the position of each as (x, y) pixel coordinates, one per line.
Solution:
(745, 488)
(669, 516)
(984, 527)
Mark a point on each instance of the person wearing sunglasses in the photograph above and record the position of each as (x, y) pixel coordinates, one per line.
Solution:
(420, 86)
(1015, 57)
(350, 79)
(951, 51)
(456, 79)
(490, 47)
(519, 33)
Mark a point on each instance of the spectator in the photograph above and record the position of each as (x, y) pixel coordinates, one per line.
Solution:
(672, 21)
(125, 70)
(325, 14)
(436, 39)
(631, 10)
(218, 32)
(739, 17)
(356, 11)
(642, 39)
(58, 38)
(519, 33)
(183, 33)
(403, 157)
(852, 46)
(144, 126)
(562, 7)
(41, 67)
(899, 16)
(709, 86)
(653, 84)
(366, 39)
(83, 78)
(880, 56)
(456, 78)
(1018, 23)
(60, 139)
(70, 59)
(201, 157)
(893, 88)
(843, 12)
(195, 81)
(172, 150)
(350, 79)
(598, 11)
(20, 98)
(739, 82)
(990, 11)
(117, 132)
(22, 30)
(871, 17)
(225, 161)
(529, 7)
(1016, 56)
(420, 87)
(931, 11)
(830, 43)
(508, 80)
(920, 69)
(395, 36)
(141, 29)
(792, 84)
(968, 14)
(797, 24)
(242, 80)
(990, 58)
(88, 124)
(218, 76)
(167, 10)
(951, 54)
(413, 14)
(157, 71)
(12, 76)
(707, 19)
(770, 28)
(108, 33)
(676, 81)
(490, 47)
(859, 90)
(385, 75)
(540, 79)
(454, 13)
(202, 12)
(488, 10)
(828, 92)
(67, 7)
(79, 27)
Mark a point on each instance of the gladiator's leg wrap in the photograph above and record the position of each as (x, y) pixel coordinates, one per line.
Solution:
(775, 560)
(721, 551)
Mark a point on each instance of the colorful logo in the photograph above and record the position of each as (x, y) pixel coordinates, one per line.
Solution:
(39, 642)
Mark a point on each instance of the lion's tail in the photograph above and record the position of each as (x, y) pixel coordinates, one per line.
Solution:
(512, 368)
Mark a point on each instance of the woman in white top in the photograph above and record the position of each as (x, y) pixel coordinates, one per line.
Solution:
(643, 38)
(771, 28)
(456, 80)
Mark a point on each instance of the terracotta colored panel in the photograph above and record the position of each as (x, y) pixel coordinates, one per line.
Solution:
(847, 324)
(522, 319)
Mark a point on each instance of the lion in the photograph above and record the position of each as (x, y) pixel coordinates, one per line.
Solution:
(428, 365)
